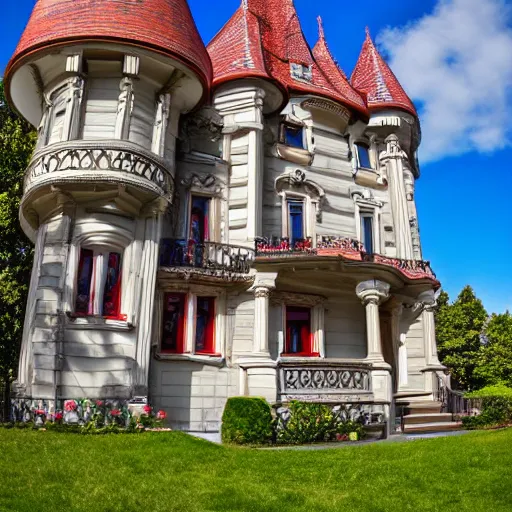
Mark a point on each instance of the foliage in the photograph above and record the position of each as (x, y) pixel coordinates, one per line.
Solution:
(312, 423)
(494, 363)
(247, 420)
(17, 140)
(173, 472)
(496, 407)
(459, 328)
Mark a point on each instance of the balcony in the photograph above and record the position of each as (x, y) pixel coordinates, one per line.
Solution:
(210, 258)
(79, 161)
(346, 248)
(325, 381)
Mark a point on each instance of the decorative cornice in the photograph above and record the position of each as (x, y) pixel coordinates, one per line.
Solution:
(327, 106)
(297, 299)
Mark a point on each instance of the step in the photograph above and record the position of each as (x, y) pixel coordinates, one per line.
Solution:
(412, 419)
(423, 408)
(442, 426)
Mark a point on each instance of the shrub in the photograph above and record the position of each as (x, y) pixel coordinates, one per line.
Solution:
(247, 420)
(313, 423)
(496, 408)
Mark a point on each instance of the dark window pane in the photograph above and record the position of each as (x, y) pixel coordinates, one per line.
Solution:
(112, 293)
(173, 322)
(293, 136)
(205, 323)
(298, 330)
(367, 232)
(199, 219)
(83, 294)
(296, 221)
(363, 156)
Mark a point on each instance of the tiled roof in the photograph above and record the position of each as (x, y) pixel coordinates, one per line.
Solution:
(373, 77)
(264, 38)
(236, 51)
(163, 25)
(334, 73)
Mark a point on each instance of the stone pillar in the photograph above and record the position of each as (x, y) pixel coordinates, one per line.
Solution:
(393, 159)
(372, 293)
(263, 284)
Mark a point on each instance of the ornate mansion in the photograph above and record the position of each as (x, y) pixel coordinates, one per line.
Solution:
(236, 219)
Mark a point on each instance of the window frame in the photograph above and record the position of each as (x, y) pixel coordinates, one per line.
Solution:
(315, 335)
(368, 146)
(282, 134)
(180, 343)
(366, 214)
(368, 207)
(98, 283)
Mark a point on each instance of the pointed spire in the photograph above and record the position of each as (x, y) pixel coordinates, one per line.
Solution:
(335, 74)
(373, 77)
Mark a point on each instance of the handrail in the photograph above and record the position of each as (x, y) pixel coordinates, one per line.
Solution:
(453, 401)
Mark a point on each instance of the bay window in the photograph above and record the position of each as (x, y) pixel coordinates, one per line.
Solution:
(98, 287)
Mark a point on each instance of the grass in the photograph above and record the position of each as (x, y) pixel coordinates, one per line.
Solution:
(47, 471)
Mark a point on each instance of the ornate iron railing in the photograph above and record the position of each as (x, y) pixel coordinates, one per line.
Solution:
(347, 248)
(454, 402)
(321, 379)
(98, 156)
(210, 256)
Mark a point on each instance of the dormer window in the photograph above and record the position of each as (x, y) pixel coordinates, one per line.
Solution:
(363, 156)
(293, 135)
(301, 72)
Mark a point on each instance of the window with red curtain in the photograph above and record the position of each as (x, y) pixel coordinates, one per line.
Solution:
(199, 219)
(95, 267)
(205, 325)
(298, 331)
(173, 323)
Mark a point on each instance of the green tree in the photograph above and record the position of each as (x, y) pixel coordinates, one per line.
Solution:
(459, 328)
(494, 365)
(17, 139)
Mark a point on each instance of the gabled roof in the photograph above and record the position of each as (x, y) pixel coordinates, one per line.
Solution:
(264, 38)
(334, 73)
(162, 25)
(373, 77)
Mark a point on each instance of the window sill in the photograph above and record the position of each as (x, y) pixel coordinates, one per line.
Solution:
(97, 323)
(213, 359)
(370, 178)
(300, 354)
(293, 154)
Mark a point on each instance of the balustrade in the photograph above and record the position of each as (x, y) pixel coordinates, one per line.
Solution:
(210, 256)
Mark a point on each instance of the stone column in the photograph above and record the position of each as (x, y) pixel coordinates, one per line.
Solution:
(393, 159)
(263, 284)
(372, 293)
(429, 326)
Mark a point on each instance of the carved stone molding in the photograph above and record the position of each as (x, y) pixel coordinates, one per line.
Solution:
(207, 183)
(89, 157)
(261, 293)
(373, 291)
(298, 179)
(297, 299)
(327, 106)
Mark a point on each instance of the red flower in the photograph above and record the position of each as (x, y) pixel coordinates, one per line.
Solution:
(115, 412)
(161, 415)
(39, 412)
(59, 416)
(70, 405)
(147, 409)
(99, 403)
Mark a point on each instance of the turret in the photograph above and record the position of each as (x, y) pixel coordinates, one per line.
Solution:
(389, 143)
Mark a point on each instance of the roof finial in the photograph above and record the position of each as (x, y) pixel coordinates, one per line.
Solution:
(321, 33)
(245, 5)
(367, 30)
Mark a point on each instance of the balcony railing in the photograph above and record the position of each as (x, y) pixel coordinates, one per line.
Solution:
(323, 379)
(210, 256)
(347, 248)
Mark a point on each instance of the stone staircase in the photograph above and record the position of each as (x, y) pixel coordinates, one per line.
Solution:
(426, 417)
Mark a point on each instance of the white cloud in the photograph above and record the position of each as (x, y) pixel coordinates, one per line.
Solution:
(456, 64)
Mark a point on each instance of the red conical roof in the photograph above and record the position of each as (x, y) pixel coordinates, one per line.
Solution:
(334, 73)
(373, 77)
(264, 38)
(166, 26)
(236, 51)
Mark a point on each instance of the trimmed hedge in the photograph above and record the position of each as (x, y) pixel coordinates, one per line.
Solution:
(496, 407)
(247, 420)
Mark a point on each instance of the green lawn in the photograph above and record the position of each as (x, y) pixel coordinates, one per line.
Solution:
(43, 471)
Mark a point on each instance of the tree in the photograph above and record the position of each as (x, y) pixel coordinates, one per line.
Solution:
(17, 139)
(494, 365)
(459, 329)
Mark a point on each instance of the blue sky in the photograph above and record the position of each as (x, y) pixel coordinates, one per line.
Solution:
(454, 58)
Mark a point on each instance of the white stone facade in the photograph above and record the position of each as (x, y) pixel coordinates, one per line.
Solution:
(118, 164)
